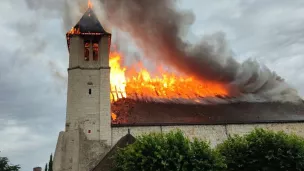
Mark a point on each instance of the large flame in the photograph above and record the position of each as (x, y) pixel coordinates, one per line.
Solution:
(166, 86)
(117, 77)
(141, 84)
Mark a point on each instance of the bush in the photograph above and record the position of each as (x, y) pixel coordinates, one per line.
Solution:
(168, 152)
(263, 151)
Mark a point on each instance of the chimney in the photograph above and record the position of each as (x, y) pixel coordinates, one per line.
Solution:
(37, 169)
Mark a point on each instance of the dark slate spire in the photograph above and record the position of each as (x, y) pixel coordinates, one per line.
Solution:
(89, 23)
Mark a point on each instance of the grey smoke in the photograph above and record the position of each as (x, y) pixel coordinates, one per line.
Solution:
(157, 28)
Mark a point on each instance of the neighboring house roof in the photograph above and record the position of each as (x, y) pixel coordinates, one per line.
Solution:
(139, 113)
(107, 162)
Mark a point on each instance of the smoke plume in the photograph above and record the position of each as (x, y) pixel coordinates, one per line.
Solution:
(158, 27)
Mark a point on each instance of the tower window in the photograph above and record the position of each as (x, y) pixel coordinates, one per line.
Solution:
(90, 91)
(109, 43)
(95, 51)
(86, 50)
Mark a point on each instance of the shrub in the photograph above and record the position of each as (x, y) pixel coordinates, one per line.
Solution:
(168, 152)
(263, 151)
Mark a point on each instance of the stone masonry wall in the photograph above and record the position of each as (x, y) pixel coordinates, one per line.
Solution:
(87, 136)
(82, 107)
(75, 152)
(215, 134)
(105, 106)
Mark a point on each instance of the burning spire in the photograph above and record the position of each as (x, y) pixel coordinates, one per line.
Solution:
(90, 5)
(87, 25)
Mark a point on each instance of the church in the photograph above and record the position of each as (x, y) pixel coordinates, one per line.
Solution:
(91, 135)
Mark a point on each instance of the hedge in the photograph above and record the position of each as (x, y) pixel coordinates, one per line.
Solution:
(260, 150)
(168, 152)
(263, 150)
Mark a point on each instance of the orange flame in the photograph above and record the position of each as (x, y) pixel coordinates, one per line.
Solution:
(165, 86)
(117, 77)
(74, 31)
(128, 83)
(114, 116)
(90, 5)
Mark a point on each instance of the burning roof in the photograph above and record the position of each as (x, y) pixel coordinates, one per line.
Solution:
(130, 112)
(136, 82)
(89, 23)
(131, 85)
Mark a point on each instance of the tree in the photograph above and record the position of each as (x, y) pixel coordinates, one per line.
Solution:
(51, 163)
(49, 166)
(263, 150)
(170, 152)
(5, 166)
(46, 167)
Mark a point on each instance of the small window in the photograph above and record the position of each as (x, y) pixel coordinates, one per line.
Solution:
(109, 43)
(87, 50)
(89, 131)
(90, 91)
(95, 51)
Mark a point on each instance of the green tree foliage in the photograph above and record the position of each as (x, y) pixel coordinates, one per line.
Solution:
(46, 167)
(168, 152)
(263, 151)
(6, 166)
(51, 163)
(49, 166)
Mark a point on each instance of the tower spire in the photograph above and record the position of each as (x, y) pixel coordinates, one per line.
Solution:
(90, 5)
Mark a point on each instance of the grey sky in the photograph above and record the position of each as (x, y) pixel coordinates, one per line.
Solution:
(34, 59)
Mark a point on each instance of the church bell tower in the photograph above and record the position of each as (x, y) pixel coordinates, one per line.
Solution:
(88, 97)
(87, 132)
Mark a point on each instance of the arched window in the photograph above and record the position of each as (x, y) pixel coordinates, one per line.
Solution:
(95, 51)
(86, 50)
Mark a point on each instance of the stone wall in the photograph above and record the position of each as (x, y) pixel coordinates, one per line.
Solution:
(215, 134)
(75, 152)
(83, 106)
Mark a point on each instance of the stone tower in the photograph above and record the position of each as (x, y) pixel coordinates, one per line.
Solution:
(87, 134)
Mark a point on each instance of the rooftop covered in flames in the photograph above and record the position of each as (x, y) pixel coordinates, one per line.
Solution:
(89, 23)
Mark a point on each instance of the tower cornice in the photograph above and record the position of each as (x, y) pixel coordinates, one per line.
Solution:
(87, 68)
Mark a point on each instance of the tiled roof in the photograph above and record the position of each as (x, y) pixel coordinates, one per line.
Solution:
(139, 113)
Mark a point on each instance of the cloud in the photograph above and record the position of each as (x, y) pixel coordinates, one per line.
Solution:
(34, 59)
(23, 143)
(33, 94)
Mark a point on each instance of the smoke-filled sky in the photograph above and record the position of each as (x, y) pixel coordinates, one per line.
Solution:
(34, 59)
